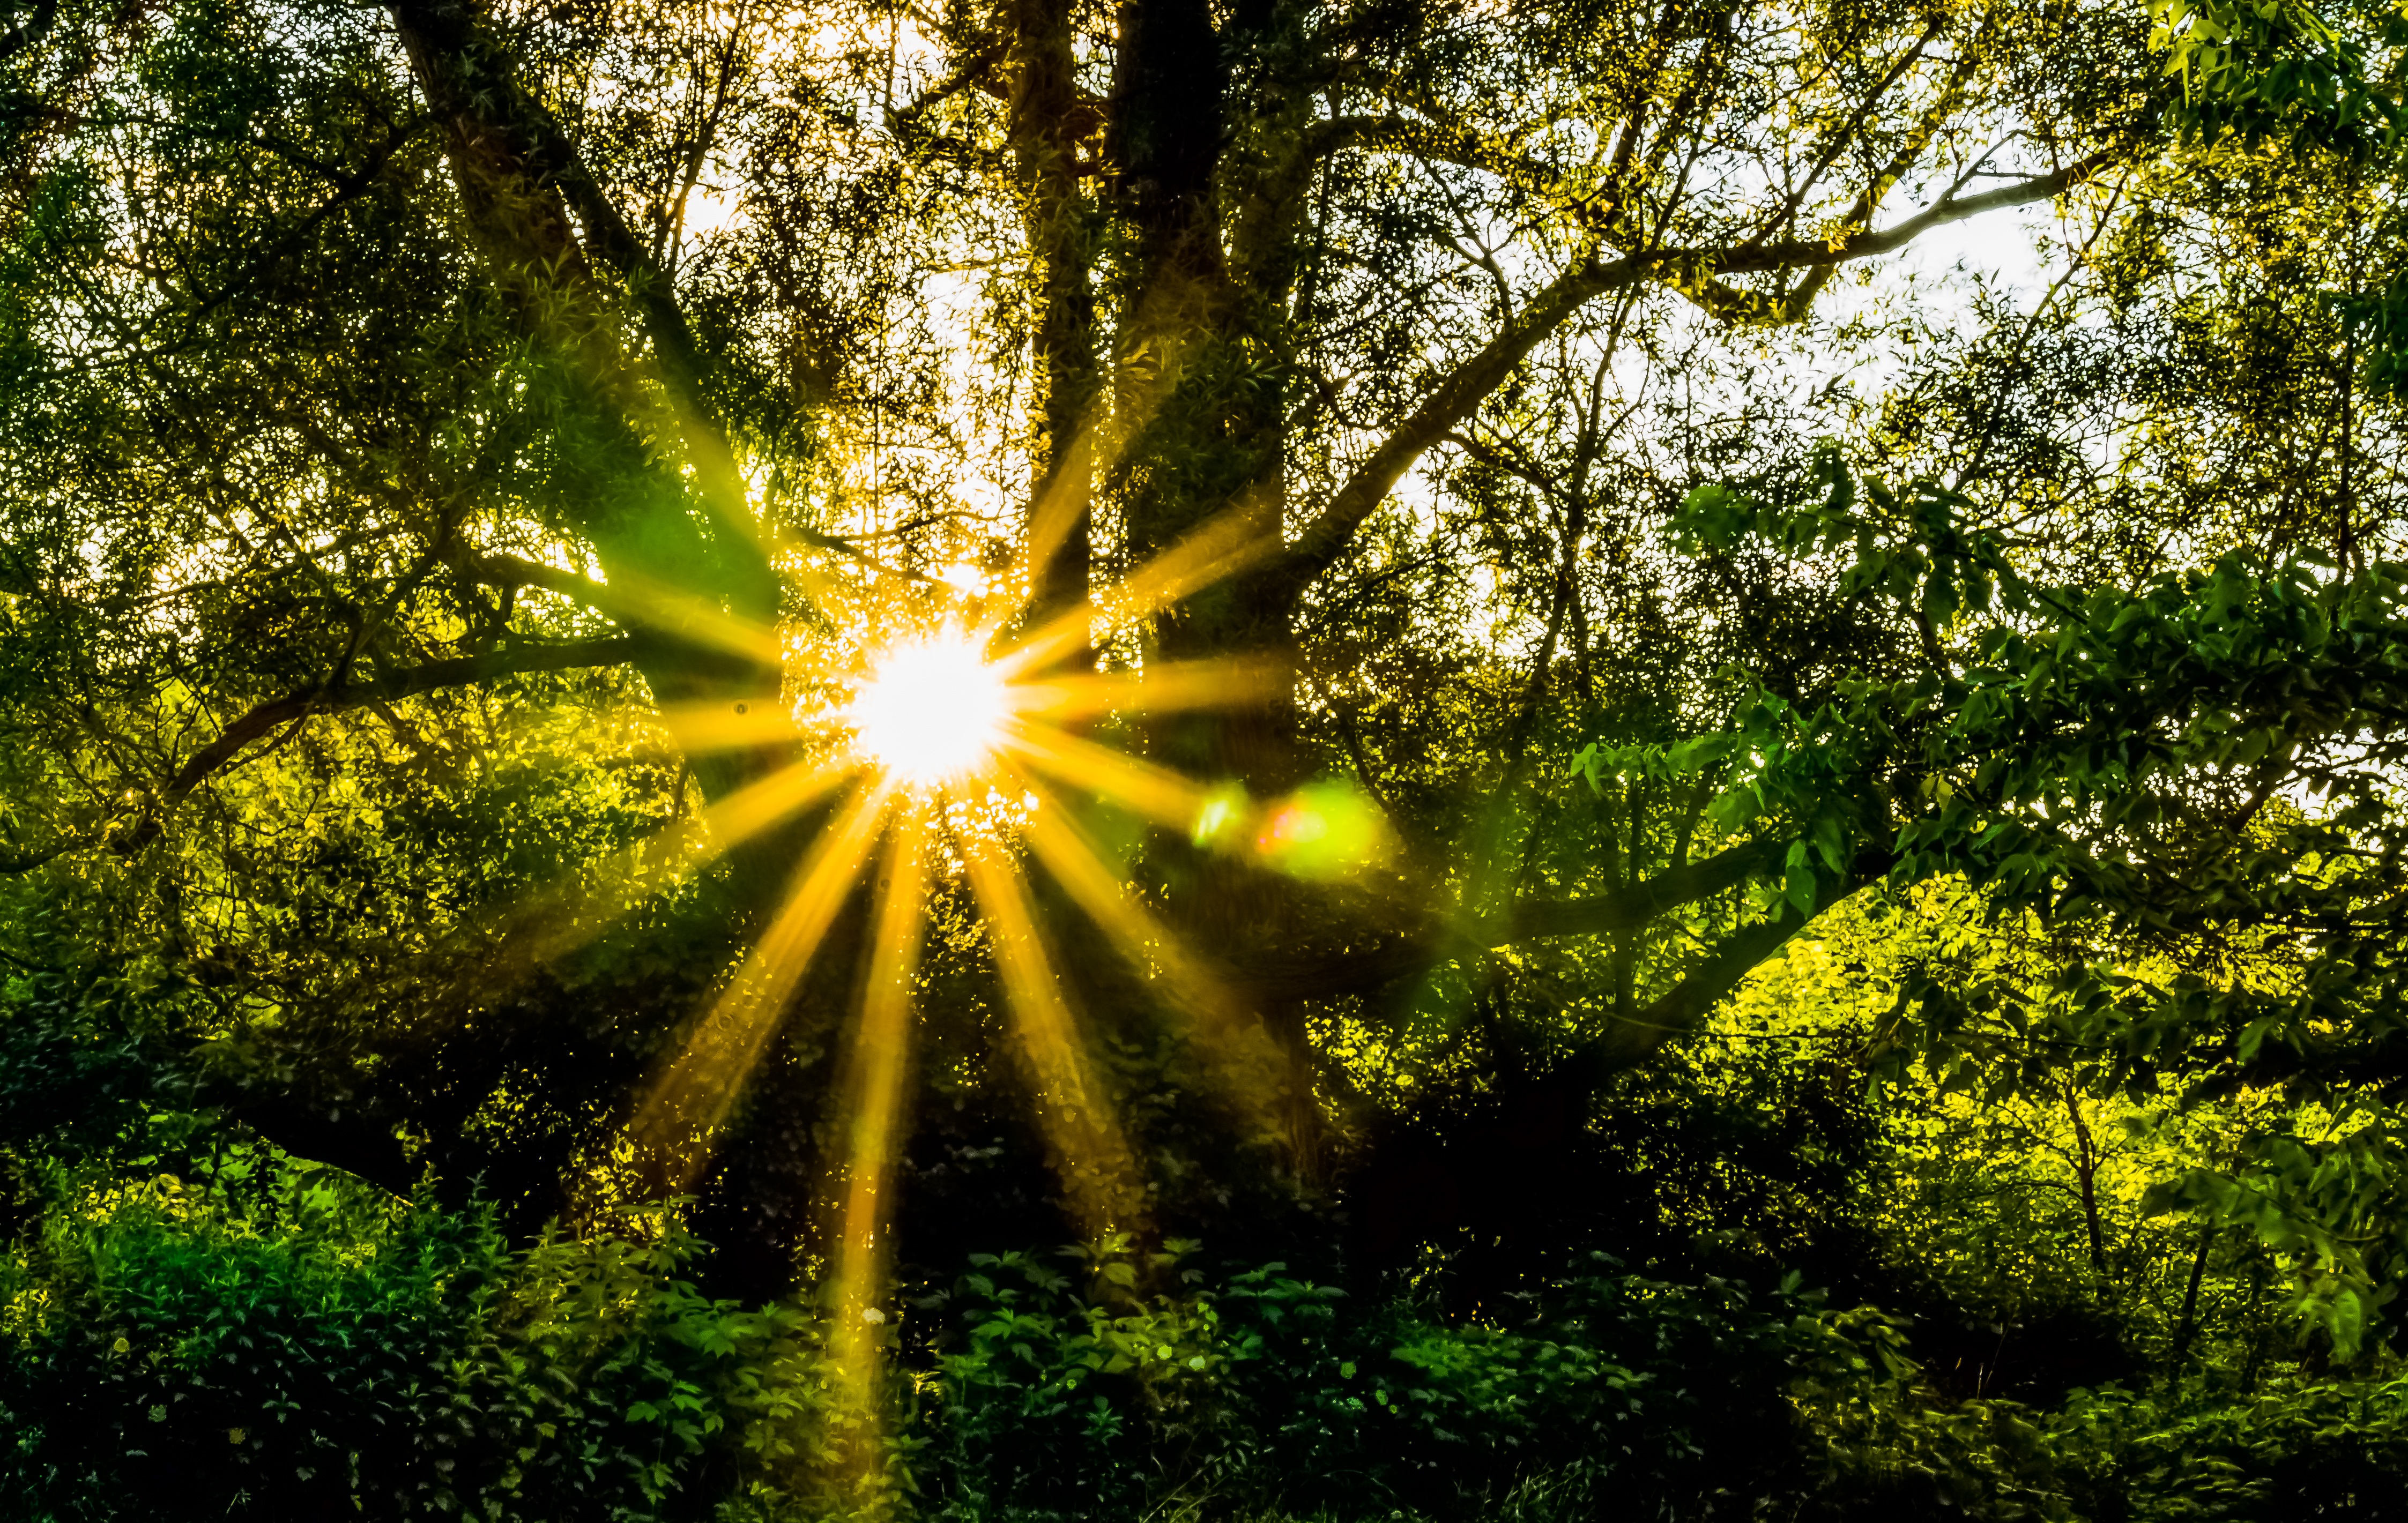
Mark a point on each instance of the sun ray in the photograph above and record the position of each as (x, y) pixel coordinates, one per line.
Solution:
(702, 729)
(553, 920)
(1091, 1154)
(550, 921)
(759, 805)
(872, 1091)
(1218, 1021)
(1163, 688)
(690, 1098)
(928, 715)
(632, 596)
(1158, 793)
(1055, 512)
(931, 710)
(1229, 543)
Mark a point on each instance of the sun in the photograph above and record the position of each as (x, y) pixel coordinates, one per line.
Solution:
(959, 738)
(931, 712)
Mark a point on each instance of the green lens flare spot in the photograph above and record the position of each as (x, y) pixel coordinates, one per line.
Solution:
(1324, 831)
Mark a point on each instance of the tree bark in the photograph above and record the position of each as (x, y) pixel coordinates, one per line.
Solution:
(2085, 1169)
(1048, 120)
(1202, 418)
(2187, 1326)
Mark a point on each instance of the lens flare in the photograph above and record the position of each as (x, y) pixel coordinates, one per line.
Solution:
(931, 712)
(930, 742)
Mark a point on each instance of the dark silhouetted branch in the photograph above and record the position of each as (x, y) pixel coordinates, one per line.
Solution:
(1358, 970)
(467, 670)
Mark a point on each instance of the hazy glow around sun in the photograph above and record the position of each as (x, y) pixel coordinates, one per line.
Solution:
(931, 710)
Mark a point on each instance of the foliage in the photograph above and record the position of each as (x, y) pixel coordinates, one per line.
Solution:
(268, 1339)
(1267, 1390)
(1798, 768)
(271, 1339)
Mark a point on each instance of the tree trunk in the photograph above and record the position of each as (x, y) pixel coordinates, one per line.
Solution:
(1047, 121)
(2085, 1169)
(1201, 414)
(2188, 1324)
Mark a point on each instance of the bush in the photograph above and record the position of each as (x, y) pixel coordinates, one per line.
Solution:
(167, 1355)
(276, 1340)
(1073, 1394)
(2295, 1450)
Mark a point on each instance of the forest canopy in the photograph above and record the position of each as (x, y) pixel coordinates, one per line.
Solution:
(1289, 759)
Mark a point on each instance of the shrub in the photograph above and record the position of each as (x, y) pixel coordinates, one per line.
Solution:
(1074, 1394)
(166, 1353)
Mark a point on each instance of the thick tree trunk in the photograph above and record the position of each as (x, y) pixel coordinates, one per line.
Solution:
(656, 495)
(1202, 415)
(1048, 120)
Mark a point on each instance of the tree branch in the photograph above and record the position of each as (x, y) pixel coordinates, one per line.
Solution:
(12, 864)
(518, 175)
(1629, 908)
(1323, 540)
(1352, 972)
(499, 570)
(463, 671)
(356, 1143)
(1809, 254)
(1679, 1009)
(1454, 145)
(1318, 546)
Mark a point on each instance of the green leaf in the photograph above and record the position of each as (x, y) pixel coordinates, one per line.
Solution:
(1799, 878)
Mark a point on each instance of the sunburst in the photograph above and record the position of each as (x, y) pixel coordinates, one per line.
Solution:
(932, 710)
(944, 712)
(941, 717)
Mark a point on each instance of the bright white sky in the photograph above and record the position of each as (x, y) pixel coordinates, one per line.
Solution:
(1999, 244)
